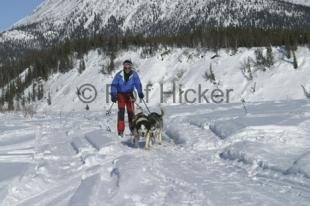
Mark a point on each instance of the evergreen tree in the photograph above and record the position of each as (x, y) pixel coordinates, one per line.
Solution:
(29, 97)
(17, 105)
(40, 93)
(269, 57)
(34, 92)
(288, 51)
(49, 99)
(23, 103)
(211, 75)
(111, 66)
(246, 69)
(260, 59)
(10, 105)
(82, 66)
(295, 63)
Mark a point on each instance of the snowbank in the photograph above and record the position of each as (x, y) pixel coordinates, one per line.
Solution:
(186, 68)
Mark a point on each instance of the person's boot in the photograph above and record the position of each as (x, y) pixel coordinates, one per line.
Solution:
(132, 132)
(120, 135)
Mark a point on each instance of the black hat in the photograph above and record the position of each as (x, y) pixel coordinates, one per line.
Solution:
(127, 62)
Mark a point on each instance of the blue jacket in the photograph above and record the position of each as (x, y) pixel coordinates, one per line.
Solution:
(119, 85)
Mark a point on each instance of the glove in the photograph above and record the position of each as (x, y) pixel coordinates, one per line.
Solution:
(141, 95)
(113, 98)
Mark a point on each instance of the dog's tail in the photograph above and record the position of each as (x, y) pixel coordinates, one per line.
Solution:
(162, 112)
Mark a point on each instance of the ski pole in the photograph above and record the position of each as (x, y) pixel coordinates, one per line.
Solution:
(109, 111)
(146, 106)
(108, 114)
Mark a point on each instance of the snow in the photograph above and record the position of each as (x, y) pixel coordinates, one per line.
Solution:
(59, 19)
(59, 11)
(16, 35)
(301, 2)
(213, 154)
(70, 158)
(185, 67)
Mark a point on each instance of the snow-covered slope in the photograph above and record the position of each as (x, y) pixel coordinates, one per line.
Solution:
(186, 67)
(57, 19)
(60, 10)
(301, 2)
(71, 159)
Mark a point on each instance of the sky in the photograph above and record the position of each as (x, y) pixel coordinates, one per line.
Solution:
(13, 10)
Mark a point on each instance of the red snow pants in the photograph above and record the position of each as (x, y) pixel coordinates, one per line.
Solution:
(125, 100)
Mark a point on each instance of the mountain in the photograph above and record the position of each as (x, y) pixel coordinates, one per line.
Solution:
(301, 2)
(55, 20)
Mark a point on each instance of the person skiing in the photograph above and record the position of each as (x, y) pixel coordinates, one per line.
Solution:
(122, 88)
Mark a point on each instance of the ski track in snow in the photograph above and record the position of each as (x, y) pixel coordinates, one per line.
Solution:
(212, 155)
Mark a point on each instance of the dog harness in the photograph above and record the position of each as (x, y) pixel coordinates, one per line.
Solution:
(141, 119)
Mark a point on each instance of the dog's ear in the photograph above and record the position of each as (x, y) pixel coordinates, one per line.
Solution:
(135, 117)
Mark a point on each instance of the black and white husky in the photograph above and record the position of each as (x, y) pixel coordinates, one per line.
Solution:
(148, 126)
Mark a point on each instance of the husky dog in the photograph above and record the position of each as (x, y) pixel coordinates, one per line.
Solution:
(150, 127)
(156, 126)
